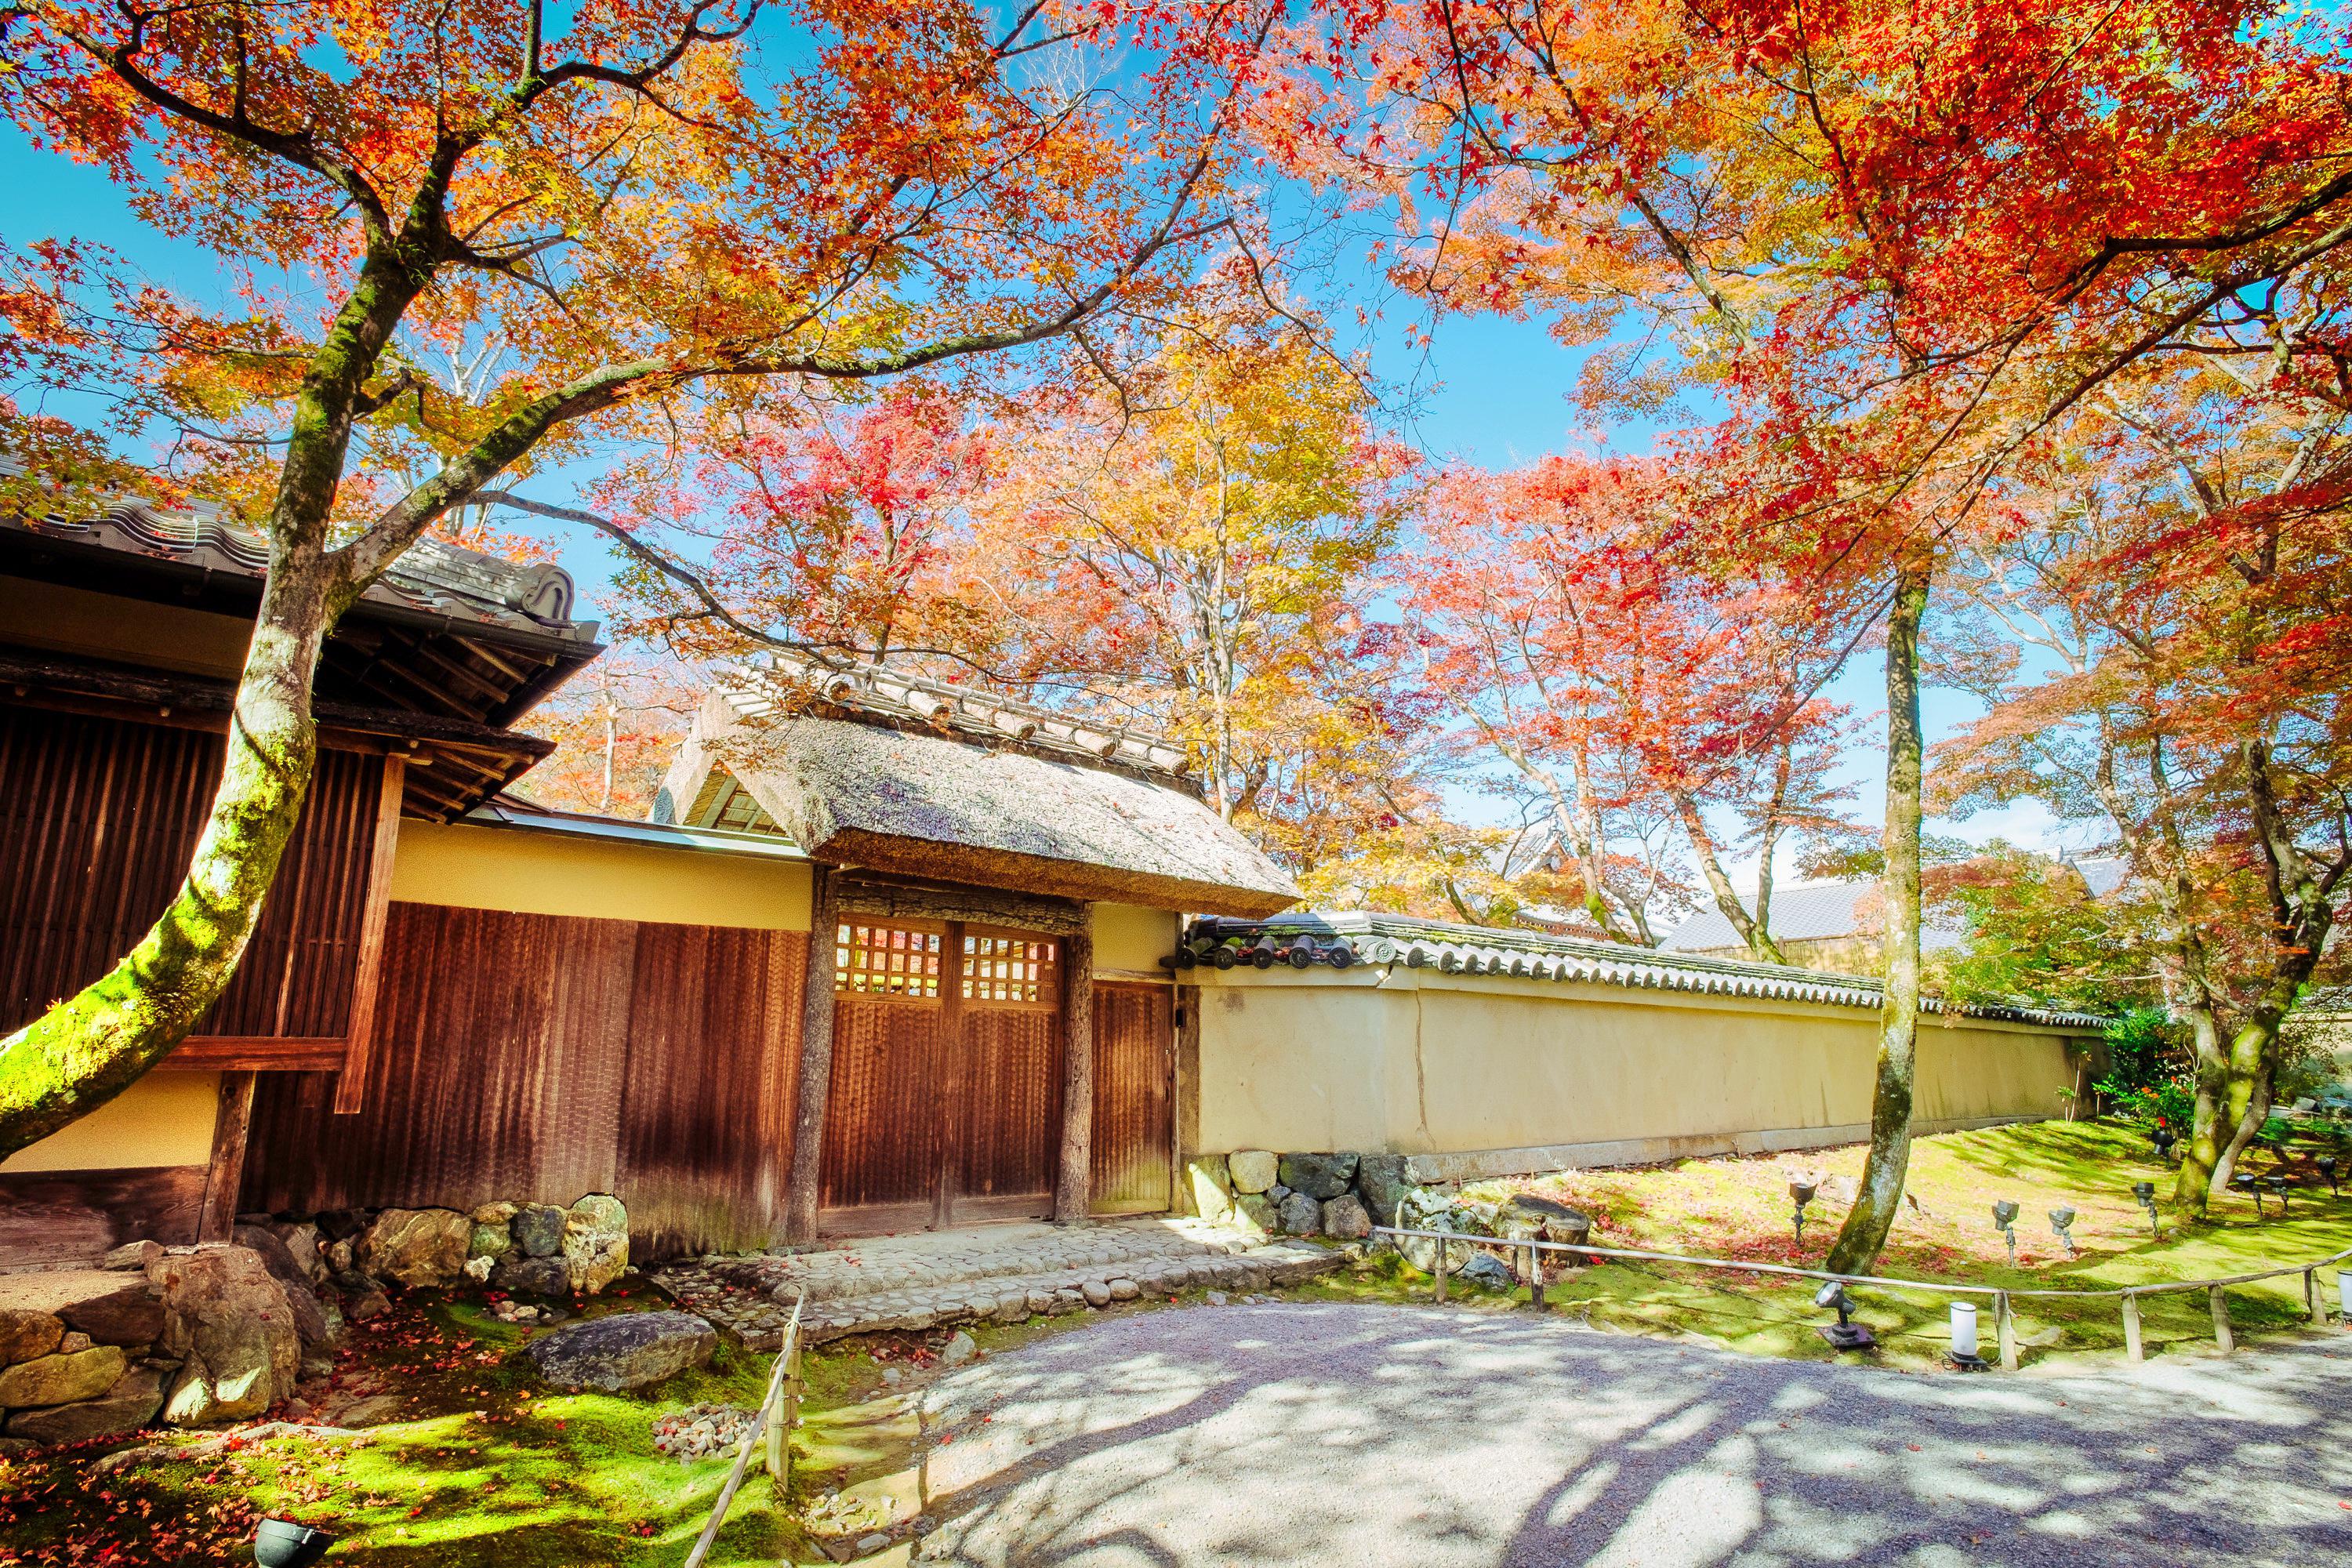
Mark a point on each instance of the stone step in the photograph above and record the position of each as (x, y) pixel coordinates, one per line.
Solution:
(1020, 1290)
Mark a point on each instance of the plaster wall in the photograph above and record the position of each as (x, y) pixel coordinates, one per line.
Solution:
(164, 1118)
(477, 868)
(1132, 939)
(1459, 1068)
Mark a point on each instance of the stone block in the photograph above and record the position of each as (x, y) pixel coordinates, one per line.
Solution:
(1252, 1170)
(595, 1242)
(130, 1314)
(626, 1351)
(135, 1255)
(1382, 1180)
(1319, 1176)
(128, 1405)
(1254, 1210)
(1208, 1187)
(26, 1334)
(1345, 1218)
(61, 1379)
(490, 1241)
(528, 1276)
(538, 1229)
(229, 1322)
(415, 1246)
(1300, 1215)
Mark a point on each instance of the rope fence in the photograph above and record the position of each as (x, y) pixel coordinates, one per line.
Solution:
(2128, 1296)
(771, 1431)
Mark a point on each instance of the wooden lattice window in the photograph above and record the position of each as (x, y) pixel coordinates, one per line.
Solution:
(887, 961)
(1006, 970)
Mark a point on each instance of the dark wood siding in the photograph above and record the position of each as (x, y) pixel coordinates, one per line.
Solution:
(97, 818)
(545, 1058)
(1011, 1078)
(1135, 1125)
(72, 1217)
(882, 1115)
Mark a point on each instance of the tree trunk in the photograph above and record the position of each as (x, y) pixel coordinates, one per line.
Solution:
(1750, 928)
(93, 1045)
(1863, 1235)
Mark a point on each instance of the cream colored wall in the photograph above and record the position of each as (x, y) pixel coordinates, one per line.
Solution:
(1414, 1062)
(546, 874)
(164, 1118)
(1132, 939)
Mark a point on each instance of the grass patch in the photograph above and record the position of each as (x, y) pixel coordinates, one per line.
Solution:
(1740, 1208)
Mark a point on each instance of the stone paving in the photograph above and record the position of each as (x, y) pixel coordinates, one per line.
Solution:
(1000, 1273)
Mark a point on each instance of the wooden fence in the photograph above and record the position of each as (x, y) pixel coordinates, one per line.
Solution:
(771, 1432)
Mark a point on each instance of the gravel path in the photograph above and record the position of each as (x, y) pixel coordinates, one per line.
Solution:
(1337, 1434)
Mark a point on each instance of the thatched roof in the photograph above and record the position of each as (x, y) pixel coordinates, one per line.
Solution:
(854, 788)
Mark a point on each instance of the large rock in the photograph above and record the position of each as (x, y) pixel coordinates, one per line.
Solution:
(228, 1322)
(1300, 1215)
(1253, 1170)
(1381, 1180)
(538, 1229)
(527, 1276)
(1256, 1211)
(1344, 1218)
(597, 1242)
(62, 1378)
(1487, 1272)
(1319, 1176)
(130, 1315)
(129, 1403)
(1524, 1213)
(490, 1241)
(626, 1351)
(275, 1255)
(112, 1306)
(26, 1333)
(1208, 1187)
(300, 1240)
(416, 1247)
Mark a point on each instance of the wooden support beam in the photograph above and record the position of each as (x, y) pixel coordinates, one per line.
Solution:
(2005, 1323)
(1074, 1194)
(367, 981)
(2133, 1345)
(256, 1053)
(815, 1072)
(226, 1174)
(2219, 1303)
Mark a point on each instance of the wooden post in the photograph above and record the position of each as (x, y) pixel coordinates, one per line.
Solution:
(2132, 1345)
(1535, 1278)
(2311, 1298)
(816, 1075)
(1445, 1258)
(2220, 1305)
(1073, 1194)
(367, 979)
(217, 1215)
(786, 1416)
(2005, 1322)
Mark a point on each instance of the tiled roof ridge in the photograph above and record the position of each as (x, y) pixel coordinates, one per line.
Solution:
(430, 575)
(864, 688)
(1343, 940)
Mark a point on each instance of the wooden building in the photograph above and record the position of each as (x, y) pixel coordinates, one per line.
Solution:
(454, 997)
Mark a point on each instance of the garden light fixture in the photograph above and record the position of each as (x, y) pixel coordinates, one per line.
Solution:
(1845, 1334)
(282, 1543)
(1964, 1353)
(2164, 1138)
(2004, 1219)
(2277, 1184)
(2327, 1169)
(2145, 1192)
(2244, 1182)
(1801, 1192)
(2061, 1219)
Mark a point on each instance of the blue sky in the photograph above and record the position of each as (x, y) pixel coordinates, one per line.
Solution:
(1487, 390)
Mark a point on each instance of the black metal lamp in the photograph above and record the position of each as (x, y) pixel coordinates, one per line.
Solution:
(2145, 1192)
(2164, 1138)
(1801, 1192)
(2061, 1222)
(1845, 1334)
(2244, 1182)
(2327, 1163)
(282, 1543)
(2004, 1219)
(2277, 1184)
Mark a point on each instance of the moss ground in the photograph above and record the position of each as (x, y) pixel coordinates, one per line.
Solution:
(471, 1461)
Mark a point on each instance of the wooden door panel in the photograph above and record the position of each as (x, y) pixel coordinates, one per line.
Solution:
(881, 1116)
(1134, 1126)
(1012, 1120)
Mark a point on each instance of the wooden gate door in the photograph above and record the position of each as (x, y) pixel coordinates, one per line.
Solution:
(1134, 1167)
(945, 1103)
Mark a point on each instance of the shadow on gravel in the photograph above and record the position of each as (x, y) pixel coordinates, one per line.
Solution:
(1328, 1434)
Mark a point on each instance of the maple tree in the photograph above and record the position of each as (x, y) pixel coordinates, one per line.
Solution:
(1577, 625)
(2180, 590)
(665, 213)
(1902, 243)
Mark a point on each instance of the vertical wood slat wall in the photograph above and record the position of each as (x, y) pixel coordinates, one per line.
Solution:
(544, 1057)
(1135, 1080)
(97, 818)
